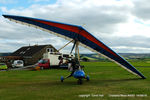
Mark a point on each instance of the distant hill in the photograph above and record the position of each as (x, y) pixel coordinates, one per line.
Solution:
(5, 54)
(135, 55)
(96, 57)
(93, 57)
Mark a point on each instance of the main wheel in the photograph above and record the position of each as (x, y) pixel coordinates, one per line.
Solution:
(87, 78)
(80, 81)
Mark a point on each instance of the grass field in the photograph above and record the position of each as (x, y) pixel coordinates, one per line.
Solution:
(106, 79)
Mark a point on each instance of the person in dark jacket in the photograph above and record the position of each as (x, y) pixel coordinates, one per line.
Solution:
(74, 65)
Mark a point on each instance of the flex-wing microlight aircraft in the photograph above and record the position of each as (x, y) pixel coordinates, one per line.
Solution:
(79, 36)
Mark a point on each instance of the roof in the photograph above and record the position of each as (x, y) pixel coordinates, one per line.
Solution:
(28, 50)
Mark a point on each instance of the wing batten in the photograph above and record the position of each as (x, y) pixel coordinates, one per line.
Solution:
(70, 32)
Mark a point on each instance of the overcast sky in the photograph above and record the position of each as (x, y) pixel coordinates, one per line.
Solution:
(123, 25)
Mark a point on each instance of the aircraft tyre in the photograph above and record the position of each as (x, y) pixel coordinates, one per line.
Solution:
(87, 78)
(62, 79)
(79, 81)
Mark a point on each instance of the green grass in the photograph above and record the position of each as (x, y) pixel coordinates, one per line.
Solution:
(105, 78)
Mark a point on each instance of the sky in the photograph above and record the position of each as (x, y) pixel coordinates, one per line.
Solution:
(123, 25)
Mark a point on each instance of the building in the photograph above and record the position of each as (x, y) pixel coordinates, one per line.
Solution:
(30, 54)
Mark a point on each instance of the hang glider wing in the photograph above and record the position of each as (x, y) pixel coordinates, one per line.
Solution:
(70, 32)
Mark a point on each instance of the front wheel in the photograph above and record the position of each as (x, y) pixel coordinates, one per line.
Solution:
(62, 79)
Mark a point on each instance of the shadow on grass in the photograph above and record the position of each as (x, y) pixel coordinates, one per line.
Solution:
(48, 83)
(91, 82)
(103, 81)
(121, 80)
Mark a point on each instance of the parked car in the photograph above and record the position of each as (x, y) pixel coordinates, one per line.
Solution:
(3, 66)
(18, 63)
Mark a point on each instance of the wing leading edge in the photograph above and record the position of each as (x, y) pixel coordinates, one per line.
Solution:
(70, 32)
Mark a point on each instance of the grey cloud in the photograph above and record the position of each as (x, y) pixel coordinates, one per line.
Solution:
(132, 44)
(141, 9)
(102, 19)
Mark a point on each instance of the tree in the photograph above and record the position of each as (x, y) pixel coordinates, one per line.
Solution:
(85, 59)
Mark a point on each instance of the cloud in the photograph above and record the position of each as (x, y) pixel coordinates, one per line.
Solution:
(108, 20)
(95, 15)
(141, 9)
(133, 44)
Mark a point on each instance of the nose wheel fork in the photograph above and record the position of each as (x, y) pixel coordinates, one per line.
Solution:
(62, 79)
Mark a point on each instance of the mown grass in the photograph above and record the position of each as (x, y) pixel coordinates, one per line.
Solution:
(105, 78)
